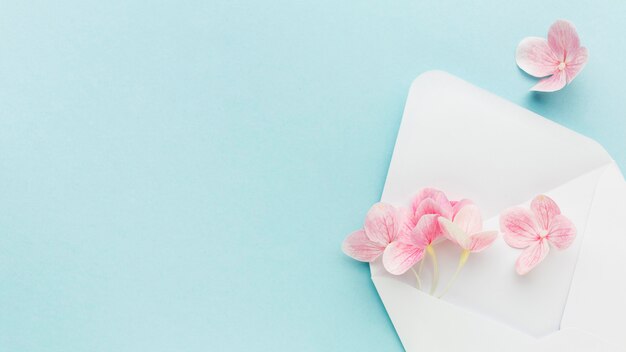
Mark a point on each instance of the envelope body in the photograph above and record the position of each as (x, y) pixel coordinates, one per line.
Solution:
(473, 144)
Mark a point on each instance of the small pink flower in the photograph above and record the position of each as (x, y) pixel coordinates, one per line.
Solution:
(433, 201)
(533, 230)
(427, 206)
(409, 249)
(560, 57)
(466, 230)
(383, 224)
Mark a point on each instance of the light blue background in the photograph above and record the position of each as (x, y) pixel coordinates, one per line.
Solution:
(179, 175)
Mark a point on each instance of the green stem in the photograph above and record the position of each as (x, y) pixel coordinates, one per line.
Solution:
(417, 279)
(431, 251)
(464, 255)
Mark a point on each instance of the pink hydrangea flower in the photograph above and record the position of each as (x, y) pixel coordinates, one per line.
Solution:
(466, 230)
(560, 57)
(433, 201)
(383, 224)
(535, 230)
(427, 206)
(410, 247)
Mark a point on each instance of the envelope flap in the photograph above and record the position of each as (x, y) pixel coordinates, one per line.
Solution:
(441, 326)
(444, 327)
(474, 144)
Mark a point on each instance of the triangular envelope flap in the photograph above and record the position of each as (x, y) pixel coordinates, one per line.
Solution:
(425, 323)
(474, 144)
(597, 300)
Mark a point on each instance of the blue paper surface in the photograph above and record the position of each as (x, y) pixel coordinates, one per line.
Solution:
(179, 175)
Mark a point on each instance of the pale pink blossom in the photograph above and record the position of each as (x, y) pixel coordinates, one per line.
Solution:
(535, 230)
(427, 206)
(559, 59)
(466, 230)
(433, 201)
(383, 224)
(410, 247)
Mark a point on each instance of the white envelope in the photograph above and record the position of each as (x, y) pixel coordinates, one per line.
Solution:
(473, 144)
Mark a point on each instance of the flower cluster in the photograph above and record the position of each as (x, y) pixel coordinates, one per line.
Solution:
(404, 236)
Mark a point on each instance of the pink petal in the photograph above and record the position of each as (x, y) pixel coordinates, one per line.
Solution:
(431, 201)
(482, 240)
(563, 39)
(400, 257)
(552, 83)
(359, 247)
(424, 194)
(469, 219)
(518, 227)
(532, 256)
(427, 230)
(454, 233)
(535, 57)
(545, 209)
(456, 206)
(406, 222)
(381, 223)
(430, 206)
(562, 232)
(575, 62)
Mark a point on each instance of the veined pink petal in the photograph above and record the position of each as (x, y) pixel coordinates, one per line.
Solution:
(406, 222)
(458, 205)
(545, 209)
(563, 39)
(516, 241)
(359, 247)
(427, 230)
(535, 57)
(552, 83)
(431, 206)
(400, 257)
(561, 233)
(482, 240)
(426, 193)
(575, 62)
(454, 233)
(381, 223)
(435, 201)
(518, 227)
(469, 219)
(532, 256)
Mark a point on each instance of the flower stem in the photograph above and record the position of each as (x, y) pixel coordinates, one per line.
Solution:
(464, 255)
(419, 271)
(417, 279)
(431, 251)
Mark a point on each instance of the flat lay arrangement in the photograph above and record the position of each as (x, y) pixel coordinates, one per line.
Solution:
(310, 176)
